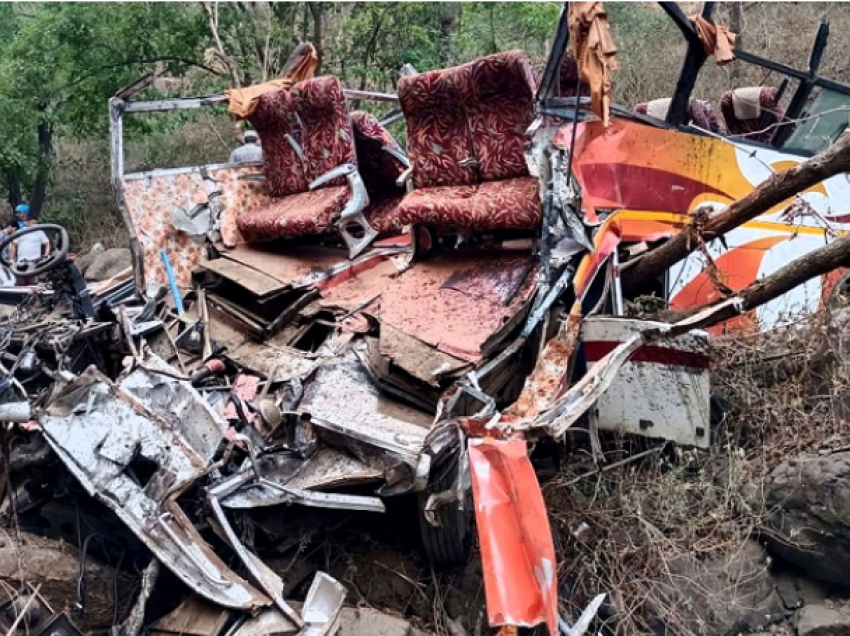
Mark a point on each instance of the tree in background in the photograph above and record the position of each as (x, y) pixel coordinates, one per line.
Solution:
(60, 62)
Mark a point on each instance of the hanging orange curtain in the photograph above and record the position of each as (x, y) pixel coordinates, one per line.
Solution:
(243, 101)
(595, 53)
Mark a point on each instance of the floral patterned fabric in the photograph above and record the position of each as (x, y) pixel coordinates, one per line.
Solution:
(378, 168)
(439, 141)
(273, 119)
(326, 137)
(491, 205)
(466, 131)
(326, 140)
(383, 215)
(771, 113)
(500, 112)
(300, 214)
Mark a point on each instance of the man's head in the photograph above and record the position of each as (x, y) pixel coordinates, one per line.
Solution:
(22, 213)
(250, 137)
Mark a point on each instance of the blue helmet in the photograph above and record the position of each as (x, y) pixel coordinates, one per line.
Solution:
(22, 208)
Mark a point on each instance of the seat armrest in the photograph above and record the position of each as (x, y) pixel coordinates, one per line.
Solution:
(405, 177)
(398, 155)
(345, 170)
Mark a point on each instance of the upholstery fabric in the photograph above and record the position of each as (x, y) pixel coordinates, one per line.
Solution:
(500, 112)
(770, 114)
(466, 130)
(378, 168)
(383, 215)
(273, 119)
(439, 141)
(491, 205)
(301, 214)
(327, 140)
(701, 113)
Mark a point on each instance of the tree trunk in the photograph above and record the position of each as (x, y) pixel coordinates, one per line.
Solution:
(317, 11)
(775, 190)
(42, 175)
(13, 183)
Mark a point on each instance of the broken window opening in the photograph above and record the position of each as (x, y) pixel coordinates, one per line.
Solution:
(141, 469)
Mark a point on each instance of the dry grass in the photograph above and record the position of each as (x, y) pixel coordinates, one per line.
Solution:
(621, 531)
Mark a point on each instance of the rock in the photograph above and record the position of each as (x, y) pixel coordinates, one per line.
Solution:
(55, 565)
(808, 499)
(819, 620)
(108, 264)
(720, 597)
(83, 261)
(370, 622)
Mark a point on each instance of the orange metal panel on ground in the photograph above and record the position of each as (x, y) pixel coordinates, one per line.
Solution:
(517, 553)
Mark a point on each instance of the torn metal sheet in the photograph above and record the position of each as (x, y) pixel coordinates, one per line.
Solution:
(270, 582)
(323, 606)
(341, 399)
(329, 468)
(517, 553)
(178, 403)
(263, 492)
(663, 391)
(132, 460)
(569, 407)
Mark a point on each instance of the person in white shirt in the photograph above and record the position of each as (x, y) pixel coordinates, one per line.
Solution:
(30, 247)
(249, 151)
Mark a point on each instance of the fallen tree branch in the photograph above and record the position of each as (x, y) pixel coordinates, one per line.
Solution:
(778, 188)
(816, 263)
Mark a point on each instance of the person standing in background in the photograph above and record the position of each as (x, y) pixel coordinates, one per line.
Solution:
(250, 150)
(30, 248)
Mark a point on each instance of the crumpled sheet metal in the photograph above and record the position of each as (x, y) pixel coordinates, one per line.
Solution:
(517, 553)
(100, 433)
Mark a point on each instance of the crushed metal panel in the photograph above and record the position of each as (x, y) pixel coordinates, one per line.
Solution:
(342, 399)
(461, 323)
(322, 606)
(179, 404)
(91, 414)
(663, 391)
(517, 553)
(329, 468)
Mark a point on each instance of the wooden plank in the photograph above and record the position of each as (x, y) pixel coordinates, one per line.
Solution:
(253, 280)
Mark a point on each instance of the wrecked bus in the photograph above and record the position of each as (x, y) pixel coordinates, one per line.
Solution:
(349, 321)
